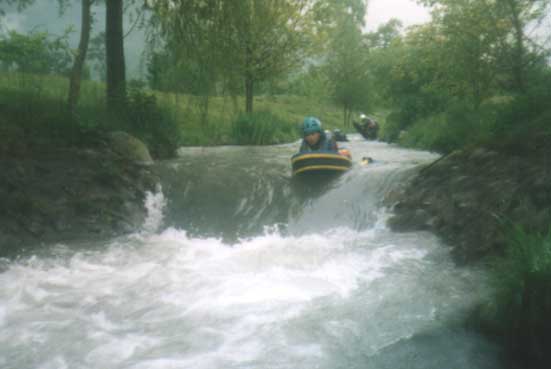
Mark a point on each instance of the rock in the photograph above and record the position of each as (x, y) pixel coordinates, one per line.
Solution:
(70, 195)
(467, 197)
(129, 147)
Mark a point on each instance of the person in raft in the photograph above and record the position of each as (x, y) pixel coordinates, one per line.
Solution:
(315, 138)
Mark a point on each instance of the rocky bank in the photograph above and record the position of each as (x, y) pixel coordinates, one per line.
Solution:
(470, 197)
(54, 195)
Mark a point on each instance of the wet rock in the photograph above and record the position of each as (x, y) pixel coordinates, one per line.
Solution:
(130, 148)
(72, 194)
(471, 198)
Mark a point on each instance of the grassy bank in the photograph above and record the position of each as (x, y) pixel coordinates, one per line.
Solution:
(519, 314)
(506, 123)
(505, 120)
(33, 111)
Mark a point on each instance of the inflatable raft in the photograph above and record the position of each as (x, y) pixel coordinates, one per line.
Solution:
(321, 162)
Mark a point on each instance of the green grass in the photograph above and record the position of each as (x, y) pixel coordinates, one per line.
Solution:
(225, 112)
(505, 123)
(521, 310)
(35, 117)
(37, 111)
(262, 128)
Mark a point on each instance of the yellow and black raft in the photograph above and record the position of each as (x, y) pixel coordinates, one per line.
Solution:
(321, 162)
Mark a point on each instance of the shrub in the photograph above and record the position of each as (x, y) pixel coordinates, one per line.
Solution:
(458, 127)
(393, 126)
(261, 128)
(156, 127)
(522, 308)
(524, 120)
(35, 114)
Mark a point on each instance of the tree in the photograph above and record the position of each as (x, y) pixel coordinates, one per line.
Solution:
(37, 52)
(116, 74)
(508, 17)
(347, 58)
(80, 57)
(520, 14)
(268, 38)
(251, 40)
(20, 4)
(384, 46)
(96, 55)
(385, 34)
(471, 33)
(192, 56)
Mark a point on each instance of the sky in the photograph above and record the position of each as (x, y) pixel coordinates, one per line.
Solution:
(408, 11)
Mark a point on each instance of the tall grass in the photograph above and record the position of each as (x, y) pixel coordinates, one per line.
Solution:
(262, 128)
(226, 115)
(509, 123)
(35, 105)
(521, 312)
(34, 114)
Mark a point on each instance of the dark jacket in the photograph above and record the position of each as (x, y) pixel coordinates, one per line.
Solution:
(326, 143)
(368, 128)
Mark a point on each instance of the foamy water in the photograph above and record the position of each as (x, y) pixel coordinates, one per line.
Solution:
(337, 297)
(171, 301)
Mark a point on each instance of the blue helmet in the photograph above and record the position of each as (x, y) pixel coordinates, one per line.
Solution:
(311, 125)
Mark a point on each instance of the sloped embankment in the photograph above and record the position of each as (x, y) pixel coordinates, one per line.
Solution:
(71, 194)
(468, 197)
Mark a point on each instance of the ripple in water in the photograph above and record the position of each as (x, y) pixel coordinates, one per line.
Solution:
(173, 301)
(346, 296)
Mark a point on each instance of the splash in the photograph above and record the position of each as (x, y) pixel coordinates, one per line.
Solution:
(168, 299)
(341, 293)
(155, 204)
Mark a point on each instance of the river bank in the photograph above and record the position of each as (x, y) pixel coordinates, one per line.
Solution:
(492, 207)
(470, 197)
(69, 194)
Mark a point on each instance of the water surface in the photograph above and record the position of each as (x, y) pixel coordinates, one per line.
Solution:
(239, 266)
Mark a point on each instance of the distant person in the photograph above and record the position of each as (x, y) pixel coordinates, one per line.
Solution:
(367, 160)
(367, 127)
(315, 138)
(339, 136)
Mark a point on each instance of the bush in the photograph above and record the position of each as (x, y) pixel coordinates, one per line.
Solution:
(524, 121)
(458, 127)
(394, 125)
(34, 118)
(35, 115)
(156, 127)
(36, 52)
(522, 308)
(261, 128)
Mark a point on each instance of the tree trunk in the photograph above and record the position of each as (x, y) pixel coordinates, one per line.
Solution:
(76, 72)
(204, 109)
(249, 93)
(249, 77)
(116, 79)
(347, 114)
(518, 56)
(344, 115)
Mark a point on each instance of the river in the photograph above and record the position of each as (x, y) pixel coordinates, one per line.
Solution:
(239, 266)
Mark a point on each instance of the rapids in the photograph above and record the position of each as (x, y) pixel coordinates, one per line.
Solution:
(239, 266)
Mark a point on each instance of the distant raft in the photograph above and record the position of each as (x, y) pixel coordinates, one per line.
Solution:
(324, 162)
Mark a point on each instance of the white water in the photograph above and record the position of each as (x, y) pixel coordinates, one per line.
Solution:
(170, 301)
(328, 299)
